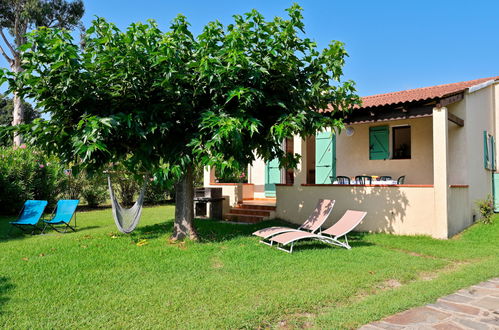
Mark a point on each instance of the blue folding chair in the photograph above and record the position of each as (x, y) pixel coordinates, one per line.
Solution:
(29, 216)
(64, 212)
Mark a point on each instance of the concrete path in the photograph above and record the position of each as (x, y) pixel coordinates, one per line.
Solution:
(476, 307)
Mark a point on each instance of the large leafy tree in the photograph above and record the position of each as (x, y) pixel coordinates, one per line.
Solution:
(19, 16)
(165, 102)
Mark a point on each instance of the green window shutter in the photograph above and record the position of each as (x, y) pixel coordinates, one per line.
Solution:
(379, 142)
(325, 153)
(492, 153)
(485, 150)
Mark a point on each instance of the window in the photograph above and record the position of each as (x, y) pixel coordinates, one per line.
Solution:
(378, 142)
(401, 142)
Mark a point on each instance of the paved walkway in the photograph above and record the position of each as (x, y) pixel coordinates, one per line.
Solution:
(476, 307)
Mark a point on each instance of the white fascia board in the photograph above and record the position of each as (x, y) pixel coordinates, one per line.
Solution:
(478, 87)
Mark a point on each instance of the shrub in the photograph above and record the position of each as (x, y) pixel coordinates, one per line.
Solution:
(486, 209)
(25, 173)
(74, 185)
(94, 189)
(127, 189)
(231, 176)
(156, 193)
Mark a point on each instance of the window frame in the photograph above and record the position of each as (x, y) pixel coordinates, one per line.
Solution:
(392, 140)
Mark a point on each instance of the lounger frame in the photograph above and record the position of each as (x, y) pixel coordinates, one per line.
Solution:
(287, 230)
(24, 228)
(269, 237)
(323, 237)
(319, 237)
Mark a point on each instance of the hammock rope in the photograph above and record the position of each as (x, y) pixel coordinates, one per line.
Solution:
(126, 219)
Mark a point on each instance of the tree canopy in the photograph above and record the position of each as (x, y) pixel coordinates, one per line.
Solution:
(36, 13)
(161, 102)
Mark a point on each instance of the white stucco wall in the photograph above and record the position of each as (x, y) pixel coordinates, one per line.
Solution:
(352, 153)
(458, 160)
(256, 175)
(460, 210)
(208, 176)
(479, 117)
(400, 210)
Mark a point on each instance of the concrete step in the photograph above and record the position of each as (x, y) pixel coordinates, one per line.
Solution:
(243, 218)
(256, 207)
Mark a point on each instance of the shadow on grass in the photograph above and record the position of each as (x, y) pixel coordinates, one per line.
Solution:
(212, 231)
(153, 231)
(69, 231)
(5, 287)
(354, 241)
(219, 231)
(87, 208)
(208, 230)
(10, 233)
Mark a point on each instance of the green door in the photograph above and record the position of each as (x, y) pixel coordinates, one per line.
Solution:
(495, 189)
(272, 176)
(325, 157)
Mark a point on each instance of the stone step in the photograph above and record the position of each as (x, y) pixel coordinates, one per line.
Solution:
(243, 218)
(248, 211)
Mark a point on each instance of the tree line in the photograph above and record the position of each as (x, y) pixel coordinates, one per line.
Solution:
(17, 17)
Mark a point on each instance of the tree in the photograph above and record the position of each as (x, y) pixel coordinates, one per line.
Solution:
(6, 109)
(17, 17)
(164, 103)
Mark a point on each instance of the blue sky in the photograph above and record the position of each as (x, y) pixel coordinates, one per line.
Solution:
(393, 45)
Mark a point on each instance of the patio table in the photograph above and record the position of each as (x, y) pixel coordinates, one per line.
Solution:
(385, 182)
(374, 182)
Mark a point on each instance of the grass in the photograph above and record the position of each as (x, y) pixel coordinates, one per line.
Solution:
(97, 278)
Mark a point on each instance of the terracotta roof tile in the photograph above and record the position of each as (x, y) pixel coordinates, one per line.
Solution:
(420, 94)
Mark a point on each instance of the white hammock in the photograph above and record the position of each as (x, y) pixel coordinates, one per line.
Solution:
(126, 219)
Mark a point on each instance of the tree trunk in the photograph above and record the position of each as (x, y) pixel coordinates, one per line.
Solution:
(184, 208)
(18, 114)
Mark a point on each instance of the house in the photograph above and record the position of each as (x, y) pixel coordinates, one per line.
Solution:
(440, 138)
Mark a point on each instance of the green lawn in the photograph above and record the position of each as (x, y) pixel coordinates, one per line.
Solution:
(96, 278)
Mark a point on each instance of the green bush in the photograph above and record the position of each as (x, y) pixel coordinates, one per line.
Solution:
(94, 189)
(486, 209)
(231, 176)
(74, 185)
(25, 174)
(127, 189)
(156, 193)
